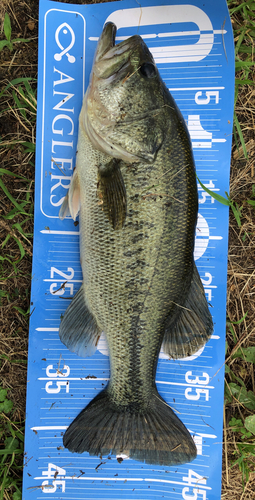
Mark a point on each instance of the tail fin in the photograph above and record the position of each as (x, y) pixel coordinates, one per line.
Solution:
(154, 436)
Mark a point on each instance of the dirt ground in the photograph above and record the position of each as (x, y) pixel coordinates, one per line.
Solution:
(16, 129)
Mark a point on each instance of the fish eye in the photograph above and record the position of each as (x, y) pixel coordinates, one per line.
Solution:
(148, 70)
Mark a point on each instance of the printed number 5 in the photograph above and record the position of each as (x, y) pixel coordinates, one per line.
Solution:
(196, 491)
(198, 392)
(206, 100)
(48, 488)
(57, 389)
(55, 288)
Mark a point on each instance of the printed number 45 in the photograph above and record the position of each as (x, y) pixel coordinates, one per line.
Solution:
(51, 488)
(51, 473)
(194, 477)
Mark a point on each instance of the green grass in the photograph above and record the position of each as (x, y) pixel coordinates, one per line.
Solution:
(19, 98)
(11, 454)
(8, 32)
(245, 448)
(236, 394)
(244, 33)
(16, 97)
(236, 209)
(22, 210)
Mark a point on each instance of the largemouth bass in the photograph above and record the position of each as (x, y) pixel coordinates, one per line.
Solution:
(135, 189)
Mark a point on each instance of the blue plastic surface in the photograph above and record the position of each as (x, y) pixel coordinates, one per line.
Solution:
(192, 44)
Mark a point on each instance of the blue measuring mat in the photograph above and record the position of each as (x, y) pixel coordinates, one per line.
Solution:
(192, 44)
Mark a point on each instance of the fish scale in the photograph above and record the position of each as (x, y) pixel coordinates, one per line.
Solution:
(136, 182)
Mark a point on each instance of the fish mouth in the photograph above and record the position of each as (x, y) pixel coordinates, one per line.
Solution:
(106, 40)
(111, 58)
(106, 48)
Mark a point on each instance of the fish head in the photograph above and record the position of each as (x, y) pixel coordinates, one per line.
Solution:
(122, 113)
(123, 59)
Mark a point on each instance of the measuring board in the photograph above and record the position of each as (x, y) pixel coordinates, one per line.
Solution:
(192, 44)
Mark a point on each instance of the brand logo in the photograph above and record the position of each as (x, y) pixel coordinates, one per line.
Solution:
(63, 90)
(65, 29)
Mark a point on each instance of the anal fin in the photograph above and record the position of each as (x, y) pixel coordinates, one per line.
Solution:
(112, 193)
(194, 325)
(78, 329)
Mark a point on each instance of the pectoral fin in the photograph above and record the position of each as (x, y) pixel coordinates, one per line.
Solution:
(194, 325)
(71, 203)
(112, 193)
